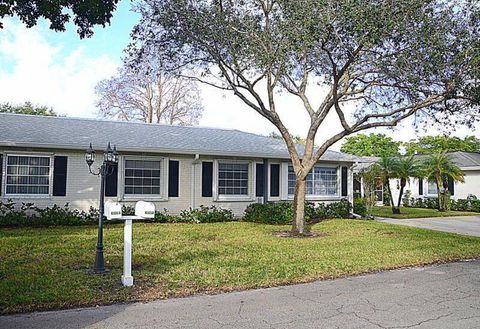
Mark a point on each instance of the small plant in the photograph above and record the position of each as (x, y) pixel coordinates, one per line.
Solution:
(360, 207)
(406, 198)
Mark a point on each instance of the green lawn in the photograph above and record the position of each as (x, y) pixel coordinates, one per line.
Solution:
(418, 213)
(47, 268)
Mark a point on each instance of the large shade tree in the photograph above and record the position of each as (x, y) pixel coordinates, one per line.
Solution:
(371, 145)
(85, 14)
(372, 63)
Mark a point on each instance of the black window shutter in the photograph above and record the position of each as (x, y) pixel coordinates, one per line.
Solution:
(173, 178)
(259, 180)
(344, 181)
(420, 186)
(274, 180)
(451, 186)
(112, 181)
(207, 179)
(1, 172)
(60, 175)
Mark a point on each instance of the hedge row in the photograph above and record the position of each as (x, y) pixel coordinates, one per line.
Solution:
(29, 215)
(282, 212)
(272, 213)
(470, 204)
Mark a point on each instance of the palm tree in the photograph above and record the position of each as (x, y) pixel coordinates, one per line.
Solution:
(387, 171)
(405, 168)
(439, 168)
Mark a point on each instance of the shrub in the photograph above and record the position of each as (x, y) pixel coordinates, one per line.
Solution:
(360, 206)
(206, 214)
(269, 213)
(406, 198)
(281, 212)
(29, 215)
(341, 209)
(471, 203)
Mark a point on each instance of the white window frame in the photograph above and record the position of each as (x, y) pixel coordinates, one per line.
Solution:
(163, 196)
(25, 196)
(241, 197)
(314, 197)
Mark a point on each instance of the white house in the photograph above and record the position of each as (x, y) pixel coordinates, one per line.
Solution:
(469, 162)
(42, 160)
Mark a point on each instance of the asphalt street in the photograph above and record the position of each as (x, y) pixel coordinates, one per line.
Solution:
(441, 296)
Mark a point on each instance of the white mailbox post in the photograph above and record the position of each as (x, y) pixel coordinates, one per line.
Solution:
(113, 210)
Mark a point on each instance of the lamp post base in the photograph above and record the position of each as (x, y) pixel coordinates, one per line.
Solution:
(99, 267)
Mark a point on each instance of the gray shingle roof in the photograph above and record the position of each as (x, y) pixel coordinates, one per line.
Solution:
(462, 159)
(73, 133)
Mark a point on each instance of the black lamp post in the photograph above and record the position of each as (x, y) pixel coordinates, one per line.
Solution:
(110, 159)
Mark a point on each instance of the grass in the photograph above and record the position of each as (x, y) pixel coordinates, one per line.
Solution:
(47, 268)
(385, 211)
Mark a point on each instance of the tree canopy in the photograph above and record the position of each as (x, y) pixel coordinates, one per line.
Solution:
(27, 108)
(371, 145)
(436, 144)
(375, 63)
(86, 13)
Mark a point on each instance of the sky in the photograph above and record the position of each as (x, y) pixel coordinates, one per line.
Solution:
(60, 70)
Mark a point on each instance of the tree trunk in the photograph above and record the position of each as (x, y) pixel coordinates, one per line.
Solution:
(400, 195)
(389, 191)
(440, 197)
(298, 222)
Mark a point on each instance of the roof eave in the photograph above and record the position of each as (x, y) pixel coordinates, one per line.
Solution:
(158, 150)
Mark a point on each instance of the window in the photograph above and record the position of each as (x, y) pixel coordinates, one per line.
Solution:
(28, 175)
(233, 178)
(320, 181)
(432, 188)
(142, 177)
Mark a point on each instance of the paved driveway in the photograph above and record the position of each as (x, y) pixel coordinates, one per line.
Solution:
(444, 296)
(467, 225)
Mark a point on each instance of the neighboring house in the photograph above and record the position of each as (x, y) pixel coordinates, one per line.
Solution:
(42, 160)
(363, 163)
(469, 162)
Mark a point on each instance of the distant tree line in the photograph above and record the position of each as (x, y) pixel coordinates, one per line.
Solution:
(381, 145)
(27, 108)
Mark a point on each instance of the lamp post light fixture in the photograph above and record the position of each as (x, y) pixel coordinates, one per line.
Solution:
(110, 159)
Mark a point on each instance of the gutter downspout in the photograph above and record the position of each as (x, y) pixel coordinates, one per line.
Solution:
(193, 196)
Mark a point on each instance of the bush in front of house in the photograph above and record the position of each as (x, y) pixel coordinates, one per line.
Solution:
(360, 207)
(281, 213)
(204, 214)
(471, 203)
(30, 215)
(269, 213)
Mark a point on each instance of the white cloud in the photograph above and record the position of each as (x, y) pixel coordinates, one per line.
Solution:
(32, 69)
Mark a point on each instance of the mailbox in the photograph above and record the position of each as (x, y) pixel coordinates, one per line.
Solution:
(145, 209)
(113, 210)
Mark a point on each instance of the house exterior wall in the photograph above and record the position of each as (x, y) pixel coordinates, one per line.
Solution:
(82, 188)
